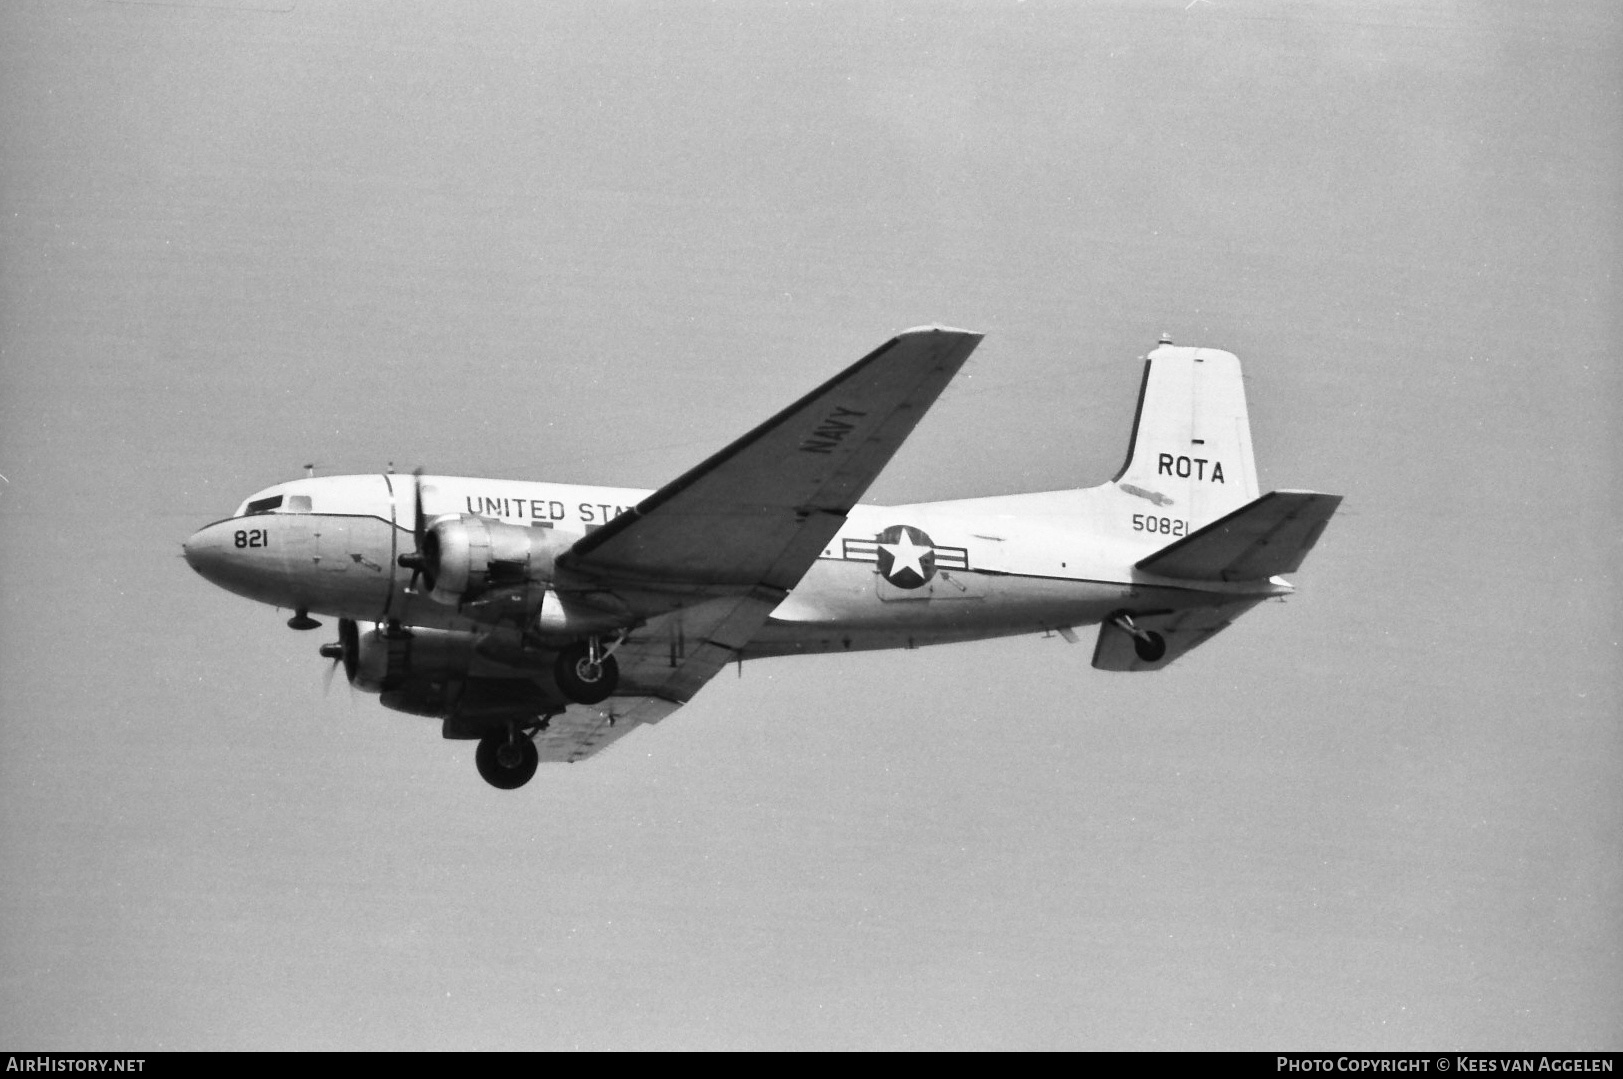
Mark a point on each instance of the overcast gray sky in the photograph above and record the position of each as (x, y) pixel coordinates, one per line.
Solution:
(593, 243)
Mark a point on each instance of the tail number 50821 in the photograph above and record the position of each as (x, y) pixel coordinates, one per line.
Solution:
(1165, 526)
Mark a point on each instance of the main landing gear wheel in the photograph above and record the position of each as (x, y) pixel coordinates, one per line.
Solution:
(584, 674)
(506, 761)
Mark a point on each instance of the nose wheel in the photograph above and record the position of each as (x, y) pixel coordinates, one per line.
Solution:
(507, 761)
(586, 673)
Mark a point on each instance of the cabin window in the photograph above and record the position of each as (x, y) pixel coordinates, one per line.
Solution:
(298, 504)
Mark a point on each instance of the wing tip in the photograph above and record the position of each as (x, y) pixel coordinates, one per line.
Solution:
(917, 331)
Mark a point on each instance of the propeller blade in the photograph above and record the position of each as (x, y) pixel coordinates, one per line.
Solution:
(419, 530)
(334, 652)
(346, 651)
(415, 561)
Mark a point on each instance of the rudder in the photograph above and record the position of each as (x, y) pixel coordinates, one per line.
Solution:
(1191, 444)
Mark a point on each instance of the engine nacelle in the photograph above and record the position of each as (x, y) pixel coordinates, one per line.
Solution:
(465, 557)
(571, 616)
(377, 661)
(426, 672)
(503, 574)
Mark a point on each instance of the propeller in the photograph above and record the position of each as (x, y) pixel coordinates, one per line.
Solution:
(421, 559)
(346, 650)
(326, 679)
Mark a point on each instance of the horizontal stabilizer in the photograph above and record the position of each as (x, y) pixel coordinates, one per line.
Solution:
(1178, 632)
(1259, 540)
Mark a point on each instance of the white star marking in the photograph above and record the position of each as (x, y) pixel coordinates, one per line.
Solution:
(905, 554)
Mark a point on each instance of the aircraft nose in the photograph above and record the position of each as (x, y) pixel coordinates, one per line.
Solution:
(250, 561)
(204, 552)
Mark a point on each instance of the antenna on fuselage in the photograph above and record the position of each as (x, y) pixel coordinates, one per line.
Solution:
(310, 470)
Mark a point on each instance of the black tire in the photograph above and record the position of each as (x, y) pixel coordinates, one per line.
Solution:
(1150, 647)
(580, 681)
(508, 776)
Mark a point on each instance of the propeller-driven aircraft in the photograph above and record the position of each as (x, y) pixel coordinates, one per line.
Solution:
(548, 620)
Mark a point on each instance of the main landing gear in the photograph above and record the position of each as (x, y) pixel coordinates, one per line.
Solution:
(586, 672)
(508, 760)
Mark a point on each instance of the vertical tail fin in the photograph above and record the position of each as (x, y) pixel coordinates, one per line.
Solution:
(1191, 446)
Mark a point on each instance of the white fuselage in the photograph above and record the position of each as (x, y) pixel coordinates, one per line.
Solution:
(894, 576)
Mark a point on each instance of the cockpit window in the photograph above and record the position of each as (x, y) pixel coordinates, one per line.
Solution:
(298, 503)
(263, 505)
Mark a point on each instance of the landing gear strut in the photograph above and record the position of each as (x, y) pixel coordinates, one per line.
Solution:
(585, 672)
(1149, 645)
(507, 761)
